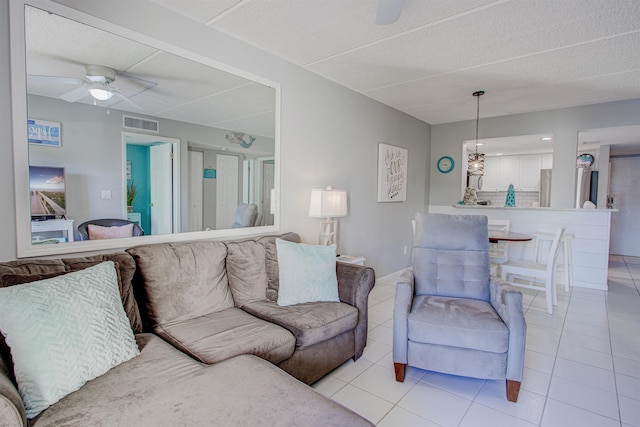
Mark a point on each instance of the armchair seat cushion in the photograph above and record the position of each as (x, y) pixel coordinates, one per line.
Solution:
(457, 322)
(310, 323)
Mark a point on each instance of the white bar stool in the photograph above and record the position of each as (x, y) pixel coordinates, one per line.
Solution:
(565, 245)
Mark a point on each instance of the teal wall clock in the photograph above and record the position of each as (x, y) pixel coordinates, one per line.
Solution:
(445, 164)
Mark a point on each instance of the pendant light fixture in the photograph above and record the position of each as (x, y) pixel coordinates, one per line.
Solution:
(476, 160)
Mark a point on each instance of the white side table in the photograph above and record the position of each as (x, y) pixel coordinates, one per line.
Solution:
(64, 225)
(350, 259)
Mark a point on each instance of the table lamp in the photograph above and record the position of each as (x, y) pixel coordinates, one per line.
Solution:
(328, 204)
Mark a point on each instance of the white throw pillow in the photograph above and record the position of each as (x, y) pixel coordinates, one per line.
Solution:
(64, 332)
(307, 273)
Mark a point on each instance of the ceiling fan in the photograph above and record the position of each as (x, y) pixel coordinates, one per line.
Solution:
(98, 83)
(388, 11)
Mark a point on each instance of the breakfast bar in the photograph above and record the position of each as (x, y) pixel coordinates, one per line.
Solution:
(590, 228)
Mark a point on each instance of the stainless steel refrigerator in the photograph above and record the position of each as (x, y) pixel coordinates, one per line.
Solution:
(545, 188)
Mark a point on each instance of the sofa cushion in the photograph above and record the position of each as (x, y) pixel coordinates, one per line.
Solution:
(228, 333)
(307, 273)
(437, 320)
(246, 271)
(271, 261)
(181, 281)
(63, 332)
(126, 268)
(31, 270)
(165, 387)
(310, 323)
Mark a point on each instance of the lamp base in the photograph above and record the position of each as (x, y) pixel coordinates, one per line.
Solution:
(328, 232)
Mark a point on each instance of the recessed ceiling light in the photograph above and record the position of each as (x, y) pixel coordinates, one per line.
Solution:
(479, 144)
(498, 154)
(546, 138)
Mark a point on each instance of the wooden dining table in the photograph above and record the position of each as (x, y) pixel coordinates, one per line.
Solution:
(508, 236)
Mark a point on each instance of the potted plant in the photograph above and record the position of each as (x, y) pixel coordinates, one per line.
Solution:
(131, 194)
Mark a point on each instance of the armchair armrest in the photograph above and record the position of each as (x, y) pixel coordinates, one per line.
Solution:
(401, 310)
(507, 301)
(354, 284)
(12, 411)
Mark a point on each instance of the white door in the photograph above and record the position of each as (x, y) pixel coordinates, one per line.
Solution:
(226, 190)
(268, 170)
(623, 187)
(161, 188)
(196, 170)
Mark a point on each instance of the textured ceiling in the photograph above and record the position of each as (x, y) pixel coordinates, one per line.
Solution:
(527, 55)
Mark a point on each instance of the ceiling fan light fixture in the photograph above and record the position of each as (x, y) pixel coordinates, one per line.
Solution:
(100, 92)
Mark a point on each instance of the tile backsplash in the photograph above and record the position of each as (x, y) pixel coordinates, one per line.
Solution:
(524, 199)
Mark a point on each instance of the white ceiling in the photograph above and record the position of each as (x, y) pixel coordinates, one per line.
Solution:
(528, 55)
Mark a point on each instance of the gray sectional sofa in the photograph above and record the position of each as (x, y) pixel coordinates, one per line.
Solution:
(215, 347)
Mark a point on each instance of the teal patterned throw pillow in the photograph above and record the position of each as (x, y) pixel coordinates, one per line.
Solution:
(307, 273)
(64, 332)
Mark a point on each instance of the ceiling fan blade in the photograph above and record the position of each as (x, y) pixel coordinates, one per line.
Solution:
(125, 99)
(388, 11)
(37, 79)
(76, 94)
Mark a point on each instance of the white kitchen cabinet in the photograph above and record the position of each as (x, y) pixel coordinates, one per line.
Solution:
(521, 171)
(491, 178)
(547, 161)
(529, 172)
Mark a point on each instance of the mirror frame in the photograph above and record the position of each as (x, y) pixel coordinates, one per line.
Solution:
(24, 248)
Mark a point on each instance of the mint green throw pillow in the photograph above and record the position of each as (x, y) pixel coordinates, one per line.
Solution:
(307, 273)
(64, 332)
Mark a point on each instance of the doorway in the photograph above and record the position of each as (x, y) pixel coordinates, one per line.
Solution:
(152, 167)
(623, 187)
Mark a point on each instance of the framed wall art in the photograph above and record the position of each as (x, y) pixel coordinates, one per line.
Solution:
(42, 132)
(392, 173)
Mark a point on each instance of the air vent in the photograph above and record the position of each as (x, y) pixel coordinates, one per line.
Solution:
(130, 122)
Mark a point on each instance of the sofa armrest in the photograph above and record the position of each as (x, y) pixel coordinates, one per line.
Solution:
(507, 301)
(12, 411)
(354, 284)
(401, 310)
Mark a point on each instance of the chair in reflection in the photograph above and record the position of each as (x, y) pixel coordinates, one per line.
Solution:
(536, 275)
(498, 252)
(449, 314)
(108, 228)
(245, 215)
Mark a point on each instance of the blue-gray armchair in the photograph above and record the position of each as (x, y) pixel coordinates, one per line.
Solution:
(449, 315)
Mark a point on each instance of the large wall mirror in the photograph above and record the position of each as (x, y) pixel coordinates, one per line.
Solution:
(109, 124)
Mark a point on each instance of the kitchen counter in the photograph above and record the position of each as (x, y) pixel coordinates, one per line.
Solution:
(509, 208)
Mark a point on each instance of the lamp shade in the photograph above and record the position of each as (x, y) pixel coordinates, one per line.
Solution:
(327, 203)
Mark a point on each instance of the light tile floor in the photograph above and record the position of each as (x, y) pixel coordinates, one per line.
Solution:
(582, 366)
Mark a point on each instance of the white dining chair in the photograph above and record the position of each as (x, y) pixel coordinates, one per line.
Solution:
(498, 252)
(535, 275)
(565, 249)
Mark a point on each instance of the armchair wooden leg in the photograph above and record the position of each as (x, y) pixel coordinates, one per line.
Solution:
(513, 388)
(399, 368)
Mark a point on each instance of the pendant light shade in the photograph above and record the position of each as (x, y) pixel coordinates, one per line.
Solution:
(475, 164)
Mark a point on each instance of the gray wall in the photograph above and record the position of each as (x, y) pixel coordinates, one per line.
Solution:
(329, 136)
(564, 124)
